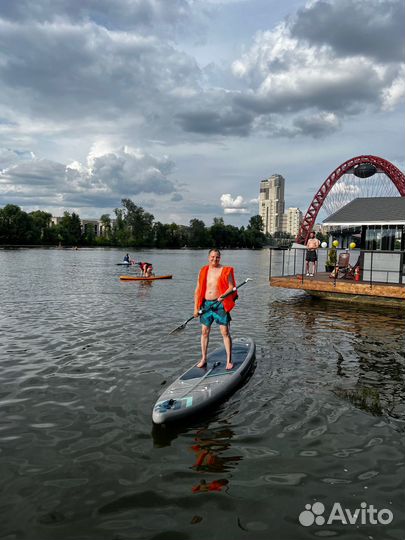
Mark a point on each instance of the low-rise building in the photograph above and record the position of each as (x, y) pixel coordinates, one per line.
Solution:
(292, 221)
(96, 225)
(374, 223)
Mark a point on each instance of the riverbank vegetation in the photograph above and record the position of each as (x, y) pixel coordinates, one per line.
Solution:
(131, 226)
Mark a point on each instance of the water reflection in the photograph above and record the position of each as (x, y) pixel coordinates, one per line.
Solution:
(376, 386)
(361, 348)
(82, 363)
(210, 444)
(209, 450)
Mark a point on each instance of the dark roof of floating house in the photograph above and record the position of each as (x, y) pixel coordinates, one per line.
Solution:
(370, 211)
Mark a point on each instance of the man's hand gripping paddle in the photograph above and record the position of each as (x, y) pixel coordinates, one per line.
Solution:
(214, 306)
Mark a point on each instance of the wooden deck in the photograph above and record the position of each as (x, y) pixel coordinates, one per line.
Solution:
(322, 286)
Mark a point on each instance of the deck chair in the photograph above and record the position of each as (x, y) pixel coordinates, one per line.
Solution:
(343, 268)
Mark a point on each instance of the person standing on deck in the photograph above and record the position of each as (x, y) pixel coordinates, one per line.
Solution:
(214, 282)
(312, 256)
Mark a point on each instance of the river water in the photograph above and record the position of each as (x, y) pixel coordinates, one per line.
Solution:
(83, 358)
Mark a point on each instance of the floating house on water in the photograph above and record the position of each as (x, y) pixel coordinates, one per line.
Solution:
(377, 226)
(373, 223)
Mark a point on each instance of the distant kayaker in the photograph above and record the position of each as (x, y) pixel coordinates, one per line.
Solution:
(126, 258)
(146, 268)
(214, 281)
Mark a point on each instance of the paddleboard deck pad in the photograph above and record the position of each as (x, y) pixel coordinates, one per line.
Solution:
(200, 388)
(141, 278)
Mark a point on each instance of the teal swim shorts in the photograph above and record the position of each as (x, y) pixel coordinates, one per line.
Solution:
(218, 314)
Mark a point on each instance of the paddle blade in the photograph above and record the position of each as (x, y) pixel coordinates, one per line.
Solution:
(178, 329)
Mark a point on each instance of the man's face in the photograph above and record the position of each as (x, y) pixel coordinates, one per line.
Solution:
(214, 258)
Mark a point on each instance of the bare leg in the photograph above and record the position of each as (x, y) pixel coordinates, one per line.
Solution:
(226, 336)
(205, 337)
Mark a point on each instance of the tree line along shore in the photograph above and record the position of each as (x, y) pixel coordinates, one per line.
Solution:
(131, 227)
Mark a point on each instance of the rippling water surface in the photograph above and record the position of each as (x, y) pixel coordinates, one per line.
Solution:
(83, 358)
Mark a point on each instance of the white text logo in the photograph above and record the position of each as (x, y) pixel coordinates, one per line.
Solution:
(365, 515)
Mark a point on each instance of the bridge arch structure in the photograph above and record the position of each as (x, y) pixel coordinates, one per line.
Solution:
(395, 175)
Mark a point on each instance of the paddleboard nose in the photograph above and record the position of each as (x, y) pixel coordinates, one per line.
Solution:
(160, 410)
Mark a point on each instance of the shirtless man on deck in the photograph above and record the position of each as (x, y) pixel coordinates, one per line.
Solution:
(312, 256)
(215, 281)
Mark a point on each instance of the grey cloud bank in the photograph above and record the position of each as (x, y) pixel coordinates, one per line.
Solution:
(116, 75)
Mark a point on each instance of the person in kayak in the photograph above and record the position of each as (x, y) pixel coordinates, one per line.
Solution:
(126, 258)
(146, 268)
(215, 281)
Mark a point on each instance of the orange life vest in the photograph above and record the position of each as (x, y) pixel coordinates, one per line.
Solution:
(223, 285)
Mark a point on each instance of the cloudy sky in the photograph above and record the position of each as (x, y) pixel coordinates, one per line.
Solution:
(185, 105)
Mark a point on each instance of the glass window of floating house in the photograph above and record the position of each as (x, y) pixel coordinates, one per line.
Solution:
(376, 223)
(384, 237)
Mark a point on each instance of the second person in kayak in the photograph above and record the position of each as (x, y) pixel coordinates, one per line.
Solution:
(214, 282)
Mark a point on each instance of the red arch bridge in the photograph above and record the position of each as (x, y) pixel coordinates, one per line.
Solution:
(362, 167)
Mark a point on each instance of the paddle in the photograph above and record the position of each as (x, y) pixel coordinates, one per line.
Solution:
(214, 306)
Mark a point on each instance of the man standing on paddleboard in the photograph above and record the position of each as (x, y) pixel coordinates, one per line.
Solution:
(214, 282)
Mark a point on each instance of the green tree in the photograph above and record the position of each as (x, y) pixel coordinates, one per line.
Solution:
(218, 233)
(321, 237)
(70, 229)
(139, 222)
(161, 235)
(198, 235)
(233, 237)
(15, 225)
(255, 238)
(89, 235)
(41, 227)
(169, 236)
(120, 231)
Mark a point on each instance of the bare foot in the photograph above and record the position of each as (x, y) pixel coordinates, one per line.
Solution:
(229, 366)
(202, 363)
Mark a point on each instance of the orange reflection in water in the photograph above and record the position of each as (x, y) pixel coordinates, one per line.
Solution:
(209, 447)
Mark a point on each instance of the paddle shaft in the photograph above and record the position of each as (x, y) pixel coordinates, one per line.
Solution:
(216, 364)
(214, 306)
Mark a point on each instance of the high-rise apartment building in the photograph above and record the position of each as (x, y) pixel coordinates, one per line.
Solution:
(271, 203)
(292, 221)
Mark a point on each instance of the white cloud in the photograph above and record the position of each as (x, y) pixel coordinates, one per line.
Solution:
(235, 205)
(236, 211)
(227, 201)
(345, 187)
(142, 15)
(296, 68)
(113, 79)
(317, 125)
(394, 95)
(10, 157)
(103, 181)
